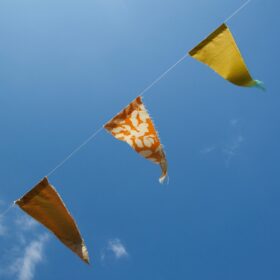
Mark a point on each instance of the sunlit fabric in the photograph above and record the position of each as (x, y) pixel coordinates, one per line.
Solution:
(220, 52)
(134, 126)
(45, 205)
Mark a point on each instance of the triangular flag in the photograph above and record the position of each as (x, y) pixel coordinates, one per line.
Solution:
(220, 52)
(134, 126)
(44, 204)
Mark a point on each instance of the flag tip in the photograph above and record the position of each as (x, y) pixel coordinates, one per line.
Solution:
(260, 85)
(163, 178)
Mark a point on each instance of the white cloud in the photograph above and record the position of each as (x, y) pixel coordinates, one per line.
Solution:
(208, 150)
(234, 122)
(231, 150)
(116, 248)
(25, 265)
(3, 228)
(25, 223)
(24, 253)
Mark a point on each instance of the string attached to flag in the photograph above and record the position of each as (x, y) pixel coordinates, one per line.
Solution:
(94, 134)
(142, 93)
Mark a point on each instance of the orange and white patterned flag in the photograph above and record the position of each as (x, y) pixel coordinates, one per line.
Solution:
(134, 126)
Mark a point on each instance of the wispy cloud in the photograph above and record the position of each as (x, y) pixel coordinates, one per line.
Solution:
(3, 228)
(25, 265)
(114, 248)
(234, 122)
(25, 223)
(207, 150)
(229, 149)
(21, 256)
(117, 248)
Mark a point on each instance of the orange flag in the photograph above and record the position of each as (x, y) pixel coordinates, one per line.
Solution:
(134, 126)
(44, 204)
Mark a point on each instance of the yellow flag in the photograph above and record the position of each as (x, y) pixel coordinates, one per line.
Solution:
(220, 52)
(134, 126)
(45, 205)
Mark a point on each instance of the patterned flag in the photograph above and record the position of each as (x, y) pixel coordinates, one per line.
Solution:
(45, 205)
(134, 126)
(220, 52)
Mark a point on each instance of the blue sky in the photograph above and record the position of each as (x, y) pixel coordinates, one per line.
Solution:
(69, 66)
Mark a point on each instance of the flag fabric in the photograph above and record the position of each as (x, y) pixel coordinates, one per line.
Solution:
(45, 205)
(220, 52)
(134, 126)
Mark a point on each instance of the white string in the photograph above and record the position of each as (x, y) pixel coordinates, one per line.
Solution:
(140, 94)
(5, 212)
(101, 127)
(75, 151)
(162, 75)
(238, 10)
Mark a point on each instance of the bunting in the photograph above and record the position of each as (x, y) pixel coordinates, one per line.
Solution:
(220, 52)
(44, 204)
(134, 126)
